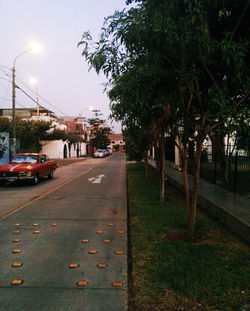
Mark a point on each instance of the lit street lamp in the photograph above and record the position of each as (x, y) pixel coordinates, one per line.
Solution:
(14, 96)
(35, 48)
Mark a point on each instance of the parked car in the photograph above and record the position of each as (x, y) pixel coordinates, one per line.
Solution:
(100, 153)
(109, 150)
(27, 167)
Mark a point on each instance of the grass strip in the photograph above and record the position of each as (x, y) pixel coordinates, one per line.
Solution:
(168, 273)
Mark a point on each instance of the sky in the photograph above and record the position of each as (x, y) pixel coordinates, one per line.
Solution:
(63, 76)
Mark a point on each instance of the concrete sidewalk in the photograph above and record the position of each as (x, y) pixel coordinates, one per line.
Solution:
(230, 209)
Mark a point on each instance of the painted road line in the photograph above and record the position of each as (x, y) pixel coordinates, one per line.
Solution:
(43, 195)
(97, 179)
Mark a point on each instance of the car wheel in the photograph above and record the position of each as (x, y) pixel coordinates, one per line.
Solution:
(36, 179)
(51, 174)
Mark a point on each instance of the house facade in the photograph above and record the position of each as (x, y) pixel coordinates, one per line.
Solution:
(117, 142)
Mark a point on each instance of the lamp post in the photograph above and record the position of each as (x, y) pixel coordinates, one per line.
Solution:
(35, 47)
(14, 96)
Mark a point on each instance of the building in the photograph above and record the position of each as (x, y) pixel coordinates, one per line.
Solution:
(117, 142)
(55, 148)
(76, 125)
(26, 113)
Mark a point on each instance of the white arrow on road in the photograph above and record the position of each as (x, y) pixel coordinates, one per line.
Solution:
(97, 179)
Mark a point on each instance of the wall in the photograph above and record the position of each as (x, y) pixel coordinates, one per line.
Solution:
(4, 141)
(54, 148)
(83, 149)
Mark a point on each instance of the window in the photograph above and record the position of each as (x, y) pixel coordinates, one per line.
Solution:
(42, 158)
(24, 159)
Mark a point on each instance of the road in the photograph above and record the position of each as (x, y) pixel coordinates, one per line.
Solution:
(68, 239)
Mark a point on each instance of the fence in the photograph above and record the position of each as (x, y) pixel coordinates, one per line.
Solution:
(230, 171)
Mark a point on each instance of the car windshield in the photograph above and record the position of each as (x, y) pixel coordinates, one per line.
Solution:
(25, 159)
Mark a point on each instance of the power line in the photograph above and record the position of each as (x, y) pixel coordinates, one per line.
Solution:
(7, 88)
(20, 80)
(7, 99)
(41, 105)
(41, 97)
(5, 79)
(35, 101)
(5, 67)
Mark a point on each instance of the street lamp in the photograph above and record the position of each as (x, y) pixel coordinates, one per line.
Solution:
(35, 47)
(14, 96)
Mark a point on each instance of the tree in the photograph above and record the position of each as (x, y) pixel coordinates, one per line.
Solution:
(218, 81)
(135, 69)
(31, 132)
(98, 131)
(100, 141)
(169, 67)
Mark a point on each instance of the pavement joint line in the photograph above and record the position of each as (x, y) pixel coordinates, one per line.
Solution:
(43, 195)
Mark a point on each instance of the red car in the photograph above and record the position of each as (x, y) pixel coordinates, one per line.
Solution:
(27, 167)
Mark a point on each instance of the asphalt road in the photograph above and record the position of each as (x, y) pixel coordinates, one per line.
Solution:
(65, 240)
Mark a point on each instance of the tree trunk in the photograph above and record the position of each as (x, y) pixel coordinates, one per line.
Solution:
(193, 207)
(146, 164)
(219, 149)
(162, 166)
(185, 179)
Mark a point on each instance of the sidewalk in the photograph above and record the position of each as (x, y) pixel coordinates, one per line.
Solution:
(230, 209)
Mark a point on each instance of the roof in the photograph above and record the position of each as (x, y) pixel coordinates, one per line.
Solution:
(115, 137)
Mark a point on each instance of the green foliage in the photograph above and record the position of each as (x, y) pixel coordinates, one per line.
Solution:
(100, 141)
(30, 132)
(5, 125)
(179, 67)
(137, 143)
(116, 148)
(56, 134)
(74, 138)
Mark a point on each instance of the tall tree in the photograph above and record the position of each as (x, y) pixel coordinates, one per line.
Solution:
(166, 64)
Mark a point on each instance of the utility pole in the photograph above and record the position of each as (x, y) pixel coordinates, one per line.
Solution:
(13, 105)
(35, 47)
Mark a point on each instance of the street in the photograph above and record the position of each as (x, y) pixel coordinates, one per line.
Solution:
(63, 243)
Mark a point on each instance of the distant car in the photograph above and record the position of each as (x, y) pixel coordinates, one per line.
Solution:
(100, 153)
(27, 167)
(109, 150)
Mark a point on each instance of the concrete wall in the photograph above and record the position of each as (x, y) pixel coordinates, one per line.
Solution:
(83, 149)
(54, 148)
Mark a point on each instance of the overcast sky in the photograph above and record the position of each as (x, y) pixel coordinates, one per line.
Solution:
(62, 75)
